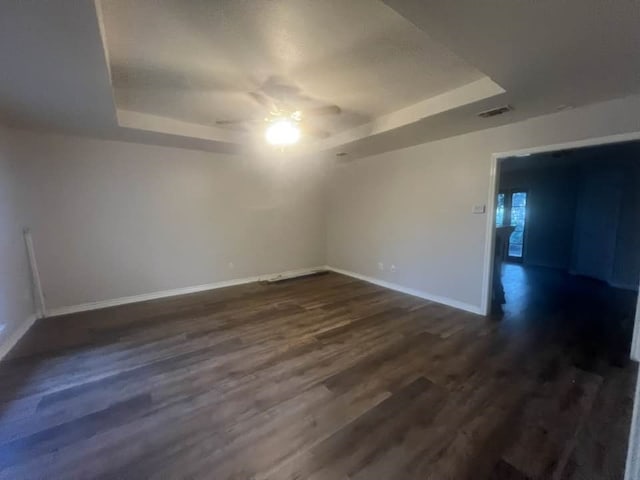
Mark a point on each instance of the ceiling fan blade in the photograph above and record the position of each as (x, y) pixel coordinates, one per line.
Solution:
(320, 111)
(262, 100)
(229, 122)
(315, 132)
(238, 125)
(283, 93)
(162, 78)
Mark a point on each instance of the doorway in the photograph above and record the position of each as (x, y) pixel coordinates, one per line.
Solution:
(567, 231)
(576, 283)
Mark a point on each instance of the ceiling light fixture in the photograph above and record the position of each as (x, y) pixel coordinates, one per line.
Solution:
(282, 132)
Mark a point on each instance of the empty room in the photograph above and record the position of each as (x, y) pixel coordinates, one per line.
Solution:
(319, 239)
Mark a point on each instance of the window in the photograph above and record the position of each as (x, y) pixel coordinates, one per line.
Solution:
(500, 210)
(518, 220)
(511, 210)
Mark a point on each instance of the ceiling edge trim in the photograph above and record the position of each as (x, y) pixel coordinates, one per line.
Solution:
(158, 124)
(458, 97)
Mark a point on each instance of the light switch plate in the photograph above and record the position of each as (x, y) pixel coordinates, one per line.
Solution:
(479, 209)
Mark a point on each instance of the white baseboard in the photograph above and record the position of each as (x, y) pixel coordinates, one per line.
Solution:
(18, 333)
(85, 307)
(293, 274)
(411, 291)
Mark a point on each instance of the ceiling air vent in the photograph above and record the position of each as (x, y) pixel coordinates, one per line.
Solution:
(495, 111)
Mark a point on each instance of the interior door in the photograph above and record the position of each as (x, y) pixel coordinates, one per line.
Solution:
(597, 224)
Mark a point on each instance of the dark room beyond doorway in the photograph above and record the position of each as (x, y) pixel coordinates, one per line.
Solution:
(567, 246)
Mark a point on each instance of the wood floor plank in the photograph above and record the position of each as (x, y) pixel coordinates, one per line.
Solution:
(324, 377)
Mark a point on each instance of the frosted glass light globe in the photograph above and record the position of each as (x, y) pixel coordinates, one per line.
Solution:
(282, 132)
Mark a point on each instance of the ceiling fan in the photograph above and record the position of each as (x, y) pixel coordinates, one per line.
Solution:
(287, 111)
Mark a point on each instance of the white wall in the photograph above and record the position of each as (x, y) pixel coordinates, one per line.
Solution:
(114, 219)
(16, 304)
(412, 207)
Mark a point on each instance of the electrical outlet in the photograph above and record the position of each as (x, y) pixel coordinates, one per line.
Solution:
(479, 209)
(231, 266)
(393, 268)
(381, 266)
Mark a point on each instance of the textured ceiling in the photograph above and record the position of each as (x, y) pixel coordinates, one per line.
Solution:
(369, 57)
(195, 61)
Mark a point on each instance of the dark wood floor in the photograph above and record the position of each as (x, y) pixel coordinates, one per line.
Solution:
(321, 378)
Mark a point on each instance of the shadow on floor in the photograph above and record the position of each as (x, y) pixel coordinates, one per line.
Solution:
(589, 317)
